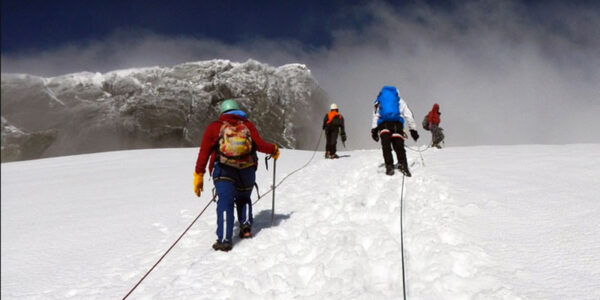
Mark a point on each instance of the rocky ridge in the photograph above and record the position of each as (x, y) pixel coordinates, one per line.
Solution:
(154, 107)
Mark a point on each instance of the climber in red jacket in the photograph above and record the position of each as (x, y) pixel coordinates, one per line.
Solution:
(437, 134)
(230, 144)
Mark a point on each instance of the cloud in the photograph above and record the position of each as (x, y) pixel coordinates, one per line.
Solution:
(502, 72)
(499, 75)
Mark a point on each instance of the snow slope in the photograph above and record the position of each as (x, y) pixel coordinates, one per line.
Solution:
(494, 222)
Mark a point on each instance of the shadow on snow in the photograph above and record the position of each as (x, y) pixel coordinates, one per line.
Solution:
(263, 220)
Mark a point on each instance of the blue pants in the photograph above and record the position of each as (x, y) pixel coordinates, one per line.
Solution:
(233, 186)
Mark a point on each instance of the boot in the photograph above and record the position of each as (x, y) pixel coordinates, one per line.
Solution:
(389, 169)
(404, 170)
(245, 231)
(222, 246)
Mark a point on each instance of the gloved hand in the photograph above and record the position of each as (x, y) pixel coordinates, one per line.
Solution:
(374, 134)
(414, 134)
(198, 183)
(343, 137)
(275, 155)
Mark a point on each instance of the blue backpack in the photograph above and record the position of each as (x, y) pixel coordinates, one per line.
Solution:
(389, 105)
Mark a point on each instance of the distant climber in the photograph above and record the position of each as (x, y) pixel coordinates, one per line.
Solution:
(231, 143)
(437, 133)
(389, 117)
(333, 124)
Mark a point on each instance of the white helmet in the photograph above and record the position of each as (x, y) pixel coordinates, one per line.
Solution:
(333, 106)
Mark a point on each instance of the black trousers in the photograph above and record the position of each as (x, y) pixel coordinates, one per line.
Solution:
(331, 135)
(390, 135)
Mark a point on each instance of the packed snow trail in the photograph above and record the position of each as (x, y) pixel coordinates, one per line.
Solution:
(502, 222)
(323, 243)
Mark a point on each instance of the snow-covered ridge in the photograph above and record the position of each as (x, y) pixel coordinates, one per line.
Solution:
(155, 106)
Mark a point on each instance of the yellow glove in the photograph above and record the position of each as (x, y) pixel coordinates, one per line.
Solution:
(275, 155)
(198, 183)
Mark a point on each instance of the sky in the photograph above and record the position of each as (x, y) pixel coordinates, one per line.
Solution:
(503, 72)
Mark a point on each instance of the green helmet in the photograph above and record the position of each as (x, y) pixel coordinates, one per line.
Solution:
(229, 104)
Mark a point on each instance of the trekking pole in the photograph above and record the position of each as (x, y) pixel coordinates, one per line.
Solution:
(293, 172)
(273, 202)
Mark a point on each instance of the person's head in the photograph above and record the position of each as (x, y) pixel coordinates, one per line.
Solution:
(436, 107)
(333, 106)
(228, 104)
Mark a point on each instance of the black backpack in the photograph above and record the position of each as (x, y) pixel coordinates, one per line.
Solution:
(426, 122)
(336, 121)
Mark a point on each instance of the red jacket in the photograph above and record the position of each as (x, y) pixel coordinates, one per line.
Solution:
(211, 137)
(434, 115)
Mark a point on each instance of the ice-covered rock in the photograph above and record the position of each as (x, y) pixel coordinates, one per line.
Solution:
(19, 145)
(157, 107)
